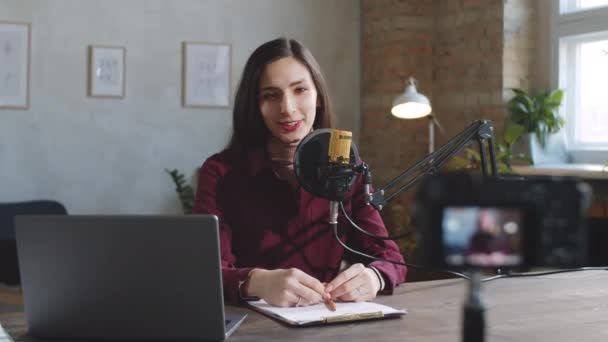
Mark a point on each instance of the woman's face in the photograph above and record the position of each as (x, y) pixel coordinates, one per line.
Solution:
(288, 99)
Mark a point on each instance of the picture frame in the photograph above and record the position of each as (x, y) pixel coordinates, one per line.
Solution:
(106, 71)
(206, 74)
(14, 65)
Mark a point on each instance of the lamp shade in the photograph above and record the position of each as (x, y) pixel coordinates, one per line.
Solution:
(411, 104)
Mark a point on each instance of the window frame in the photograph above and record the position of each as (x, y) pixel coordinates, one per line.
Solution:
(565, 7)
(574, 26)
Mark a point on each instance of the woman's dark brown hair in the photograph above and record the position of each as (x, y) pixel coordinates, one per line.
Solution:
(248, 128)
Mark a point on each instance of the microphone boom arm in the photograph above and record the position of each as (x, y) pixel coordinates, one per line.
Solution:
(479, 130)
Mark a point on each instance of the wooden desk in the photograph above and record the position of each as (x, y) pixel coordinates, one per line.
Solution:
(561, 307)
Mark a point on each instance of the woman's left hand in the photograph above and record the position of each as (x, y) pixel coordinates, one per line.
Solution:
(355, 284)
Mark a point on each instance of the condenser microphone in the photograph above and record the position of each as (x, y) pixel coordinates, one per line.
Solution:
(339, 158)
(339, 146)
(325, 163)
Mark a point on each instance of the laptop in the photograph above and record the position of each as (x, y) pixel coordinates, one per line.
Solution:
(123, 277)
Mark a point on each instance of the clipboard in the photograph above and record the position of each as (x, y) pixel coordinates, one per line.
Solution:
(319, 314)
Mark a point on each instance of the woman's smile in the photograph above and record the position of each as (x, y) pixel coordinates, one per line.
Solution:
(290, 126)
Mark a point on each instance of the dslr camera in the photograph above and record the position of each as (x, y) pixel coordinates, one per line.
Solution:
(471, 221)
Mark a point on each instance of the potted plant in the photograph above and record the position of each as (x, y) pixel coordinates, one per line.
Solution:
(534, 114)
(537, 116)
(185, 191)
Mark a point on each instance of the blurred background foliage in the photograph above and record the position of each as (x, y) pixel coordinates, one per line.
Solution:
(185, 191)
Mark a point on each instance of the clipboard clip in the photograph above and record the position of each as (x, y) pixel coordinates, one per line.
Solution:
(353, 317)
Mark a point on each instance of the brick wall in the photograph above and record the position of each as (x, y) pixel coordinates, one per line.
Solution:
(467, 83)
(464, 54)
(397, 41)
(519, 41)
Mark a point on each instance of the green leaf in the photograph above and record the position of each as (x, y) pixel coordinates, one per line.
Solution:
(555, 97)
(541, 137)
(523, 97)
(519, 91)
(537, 114)
(184, 191)
(513, 132)
(522, 109)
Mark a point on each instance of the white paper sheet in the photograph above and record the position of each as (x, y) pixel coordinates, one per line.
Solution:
(319, 312)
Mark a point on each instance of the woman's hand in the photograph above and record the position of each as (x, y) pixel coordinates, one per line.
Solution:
(355, 284)
(286, 287)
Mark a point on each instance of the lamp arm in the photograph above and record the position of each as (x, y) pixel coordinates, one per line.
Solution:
(479, 130)
(436, 123)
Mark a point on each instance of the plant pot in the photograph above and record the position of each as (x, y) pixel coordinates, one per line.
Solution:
(555, 151)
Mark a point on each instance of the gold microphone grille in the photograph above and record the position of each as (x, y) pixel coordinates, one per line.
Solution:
(339, 146)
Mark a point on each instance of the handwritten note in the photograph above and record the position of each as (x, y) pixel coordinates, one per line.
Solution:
(319, 312)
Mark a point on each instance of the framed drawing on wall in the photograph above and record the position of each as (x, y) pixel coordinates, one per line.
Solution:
(205, 75)
(14, 65)
(106, 72)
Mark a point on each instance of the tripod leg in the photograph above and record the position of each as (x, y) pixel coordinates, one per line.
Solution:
(473, 325)
(473, 322)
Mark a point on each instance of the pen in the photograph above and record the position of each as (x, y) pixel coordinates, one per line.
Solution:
(330, 304)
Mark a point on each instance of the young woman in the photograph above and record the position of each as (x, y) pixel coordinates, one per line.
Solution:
(276, 243)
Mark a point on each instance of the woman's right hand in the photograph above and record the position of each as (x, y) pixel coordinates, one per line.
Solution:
(286, 287)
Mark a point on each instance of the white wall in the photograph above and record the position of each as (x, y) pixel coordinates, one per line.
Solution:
(107, 156)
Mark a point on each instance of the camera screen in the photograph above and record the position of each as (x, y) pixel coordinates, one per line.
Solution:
(483, 236)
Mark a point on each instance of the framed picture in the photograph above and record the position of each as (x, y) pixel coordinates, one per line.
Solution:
(106, 71)
(205, 75)
(14, 65)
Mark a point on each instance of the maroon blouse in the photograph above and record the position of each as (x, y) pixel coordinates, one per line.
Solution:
(264, 223)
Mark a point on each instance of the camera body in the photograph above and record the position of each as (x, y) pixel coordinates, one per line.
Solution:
(471, 221)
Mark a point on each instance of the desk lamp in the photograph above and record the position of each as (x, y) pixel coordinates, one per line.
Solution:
(413, 105)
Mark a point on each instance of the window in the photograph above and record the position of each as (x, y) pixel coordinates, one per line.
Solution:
(580, 48)
(568, 6)
(584, 72)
